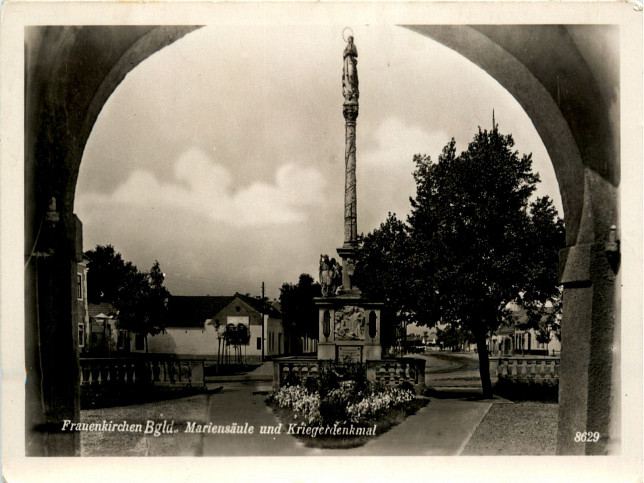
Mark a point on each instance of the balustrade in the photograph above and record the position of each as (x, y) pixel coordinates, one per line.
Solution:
(296, 369)
(141, 370)
(396, 371)
(523, 368)
(391, 372)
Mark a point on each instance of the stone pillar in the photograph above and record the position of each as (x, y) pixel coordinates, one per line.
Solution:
(347, 252)
(589, 373)
(70, 72)
(350, 111)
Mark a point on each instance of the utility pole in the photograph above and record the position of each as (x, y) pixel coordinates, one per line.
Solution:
(262, 321)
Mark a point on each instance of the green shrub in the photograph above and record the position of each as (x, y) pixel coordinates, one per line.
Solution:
(291, 380)
(303, 403)
(371, 406)
(407, 386)
(328, 378)
(333, 406)
(341, 405)
(312, 385)
(531, 390)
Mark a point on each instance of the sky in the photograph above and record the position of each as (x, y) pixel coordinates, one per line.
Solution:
(222, 155)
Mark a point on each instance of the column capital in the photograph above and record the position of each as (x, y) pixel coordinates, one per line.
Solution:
(350, 111)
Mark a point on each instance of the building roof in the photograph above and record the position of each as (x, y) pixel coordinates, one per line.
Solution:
(104, 308)
(193, 311)
(261, 306)
(520, 316)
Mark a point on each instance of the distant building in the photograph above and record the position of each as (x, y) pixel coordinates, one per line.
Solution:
(296, 343)
(510, 339)
(424, 336)
(223, 328)
(102, 335)
(515, 340)
(81, 316)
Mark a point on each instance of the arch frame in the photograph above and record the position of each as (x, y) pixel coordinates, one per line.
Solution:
(590, 196)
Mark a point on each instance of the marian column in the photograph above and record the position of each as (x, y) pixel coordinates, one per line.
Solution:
(349, 324)
(350, 112)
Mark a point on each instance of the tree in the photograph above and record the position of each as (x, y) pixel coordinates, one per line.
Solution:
(106, 272)
(453, 337)
(142, 302)
(382, 266)
(479, 242)
(139, 297)
(298, 307)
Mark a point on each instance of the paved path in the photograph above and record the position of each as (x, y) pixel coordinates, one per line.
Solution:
(264, 372)
(447, 370)
(443, 427)
(243, 402)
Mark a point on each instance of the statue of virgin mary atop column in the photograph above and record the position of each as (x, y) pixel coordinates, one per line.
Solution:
(350, 72)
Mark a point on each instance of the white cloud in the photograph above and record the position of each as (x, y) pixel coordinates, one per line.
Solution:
(396, 142)
(204, 187)
(385, 180)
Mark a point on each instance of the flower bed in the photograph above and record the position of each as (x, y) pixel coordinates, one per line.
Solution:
(341, 414)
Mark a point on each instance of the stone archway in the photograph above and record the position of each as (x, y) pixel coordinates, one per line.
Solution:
(70, 72)
(572, 99)
(566, 78)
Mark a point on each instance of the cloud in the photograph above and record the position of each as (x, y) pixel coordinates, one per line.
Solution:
(268, 200)
(395, 142)
(385, 180)
(201, 186)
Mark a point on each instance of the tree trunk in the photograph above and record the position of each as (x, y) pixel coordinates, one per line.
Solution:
(484, 366)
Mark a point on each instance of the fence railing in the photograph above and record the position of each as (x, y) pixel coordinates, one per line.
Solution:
(525, 368)
(294, 368)
(149, 369)
(391, 372)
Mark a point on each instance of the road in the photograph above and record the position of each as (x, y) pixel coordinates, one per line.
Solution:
(450, 370)
(450, 363)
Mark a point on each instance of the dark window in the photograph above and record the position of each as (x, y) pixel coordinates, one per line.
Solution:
(372, 325)
(529, 341)
(326, 324)
(139, 342)
(259, 343)
(123, 340)
(79, 286)
(81, 335)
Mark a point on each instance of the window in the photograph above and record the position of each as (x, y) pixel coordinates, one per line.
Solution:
(81, 335)
(123, 340)
(139, 342)
(529, 341)
(79, 286)
(326, 324)
(372, 324)
(259, 343)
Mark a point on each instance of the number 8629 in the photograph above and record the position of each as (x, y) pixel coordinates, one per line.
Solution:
(586, 436)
